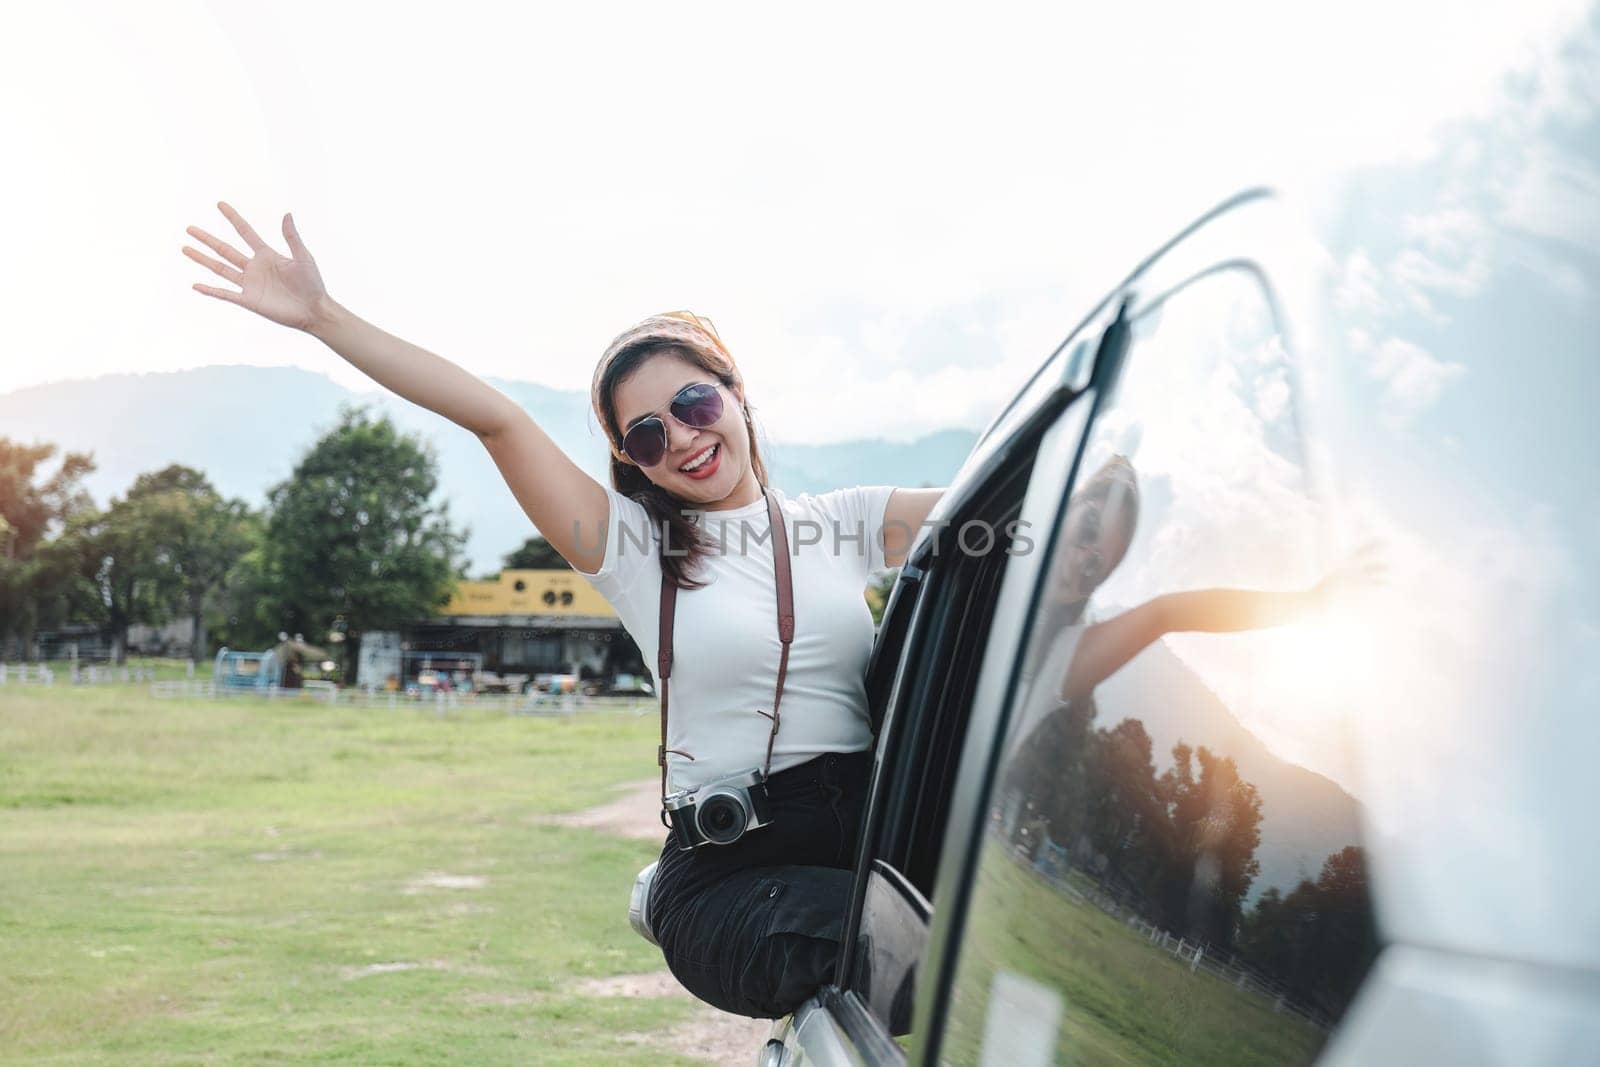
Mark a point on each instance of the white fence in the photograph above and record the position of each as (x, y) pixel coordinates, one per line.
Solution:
(441, 703)
(1242, 978)
(44, 674)
(71, 673)
(1198, 956)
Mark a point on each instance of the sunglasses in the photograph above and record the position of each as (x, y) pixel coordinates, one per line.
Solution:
(696, 406)
(1087, 538)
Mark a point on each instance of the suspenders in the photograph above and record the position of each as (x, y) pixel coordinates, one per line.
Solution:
(669, 600)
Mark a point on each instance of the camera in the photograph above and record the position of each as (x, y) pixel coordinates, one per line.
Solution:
(719, 812)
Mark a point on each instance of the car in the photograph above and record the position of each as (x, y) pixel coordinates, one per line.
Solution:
(1168, 863)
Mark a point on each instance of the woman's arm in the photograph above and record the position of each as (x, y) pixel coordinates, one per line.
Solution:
(414, 373)
(903, 518)
(569, 507)
(1106, 647)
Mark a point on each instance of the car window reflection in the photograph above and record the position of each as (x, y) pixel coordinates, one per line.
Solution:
(1155, 878)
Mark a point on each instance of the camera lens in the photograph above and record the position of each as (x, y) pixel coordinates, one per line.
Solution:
(722, 818)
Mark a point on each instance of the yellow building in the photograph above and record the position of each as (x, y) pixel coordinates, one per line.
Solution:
(562, 593)
(522, 622)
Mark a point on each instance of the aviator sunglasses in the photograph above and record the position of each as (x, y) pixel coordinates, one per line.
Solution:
(696, 406)
(1087, 538)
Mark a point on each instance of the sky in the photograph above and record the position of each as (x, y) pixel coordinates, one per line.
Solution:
(907, 202)
(892, 215)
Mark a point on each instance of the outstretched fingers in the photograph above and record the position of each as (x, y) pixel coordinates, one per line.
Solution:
(1369, 563)
(297, 247)
(222, 270)
(220, 247)
(250, 236)
(221, 294)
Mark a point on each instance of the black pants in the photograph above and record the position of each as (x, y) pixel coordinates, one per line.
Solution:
(754, 927)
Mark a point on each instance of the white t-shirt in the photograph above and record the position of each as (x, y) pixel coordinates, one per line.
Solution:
(1040, 692)
(725, 637)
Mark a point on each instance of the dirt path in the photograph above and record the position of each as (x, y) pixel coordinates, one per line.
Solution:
(709, 1036)
(634, 813)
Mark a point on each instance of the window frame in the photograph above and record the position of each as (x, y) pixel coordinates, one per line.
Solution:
(915, 621)
(922, 701)
(990, 713)
(922, 739)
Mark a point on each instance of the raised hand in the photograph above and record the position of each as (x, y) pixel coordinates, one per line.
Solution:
(1364, 569)
(286, 290)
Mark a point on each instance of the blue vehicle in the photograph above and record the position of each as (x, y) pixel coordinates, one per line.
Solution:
(246, 670)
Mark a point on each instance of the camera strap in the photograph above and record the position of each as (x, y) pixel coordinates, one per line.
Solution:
(669, 602)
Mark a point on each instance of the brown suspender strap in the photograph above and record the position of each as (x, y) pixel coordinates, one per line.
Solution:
(785, 584)
(669, 601)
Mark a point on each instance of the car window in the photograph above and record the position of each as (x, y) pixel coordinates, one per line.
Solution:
(949, 595)
(1171, 864)
(935, 678)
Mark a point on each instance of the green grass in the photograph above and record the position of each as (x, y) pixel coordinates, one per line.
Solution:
(186, 882)
(1123, 1001)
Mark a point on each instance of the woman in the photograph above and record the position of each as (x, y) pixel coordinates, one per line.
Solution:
(751, 927)
(1073, 654)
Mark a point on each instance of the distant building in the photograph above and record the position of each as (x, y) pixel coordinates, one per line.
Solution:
(83, 643)
(521, 623)
(94, 643)
(173, 638)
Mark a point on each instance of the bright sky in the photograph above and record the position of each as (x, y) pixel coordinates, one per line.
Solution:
(861, 199)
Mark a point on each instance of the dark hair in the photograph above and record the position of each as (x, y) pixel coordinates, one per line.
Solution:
(1115, 478)
(693, 340)
(1115, 487)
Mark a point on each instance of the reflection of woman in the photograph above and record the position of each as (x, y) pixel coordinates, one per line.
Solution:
(1099, 525)
(752, 927)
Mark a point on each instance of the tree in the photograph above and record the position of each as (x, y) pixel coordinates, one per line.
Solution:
(201, 534)
(30, 505)
(1126, 820)
(1049, 768)
(245, 613)
(536, 554)
(1180, 847)
(1216, 821)
(1321, 938)
(353, 534)
(1348, 932)
(118, 565)
(27, 510)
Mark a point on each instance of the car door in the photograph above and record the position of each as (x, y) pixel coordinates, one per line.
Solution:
(922, 682)
(1123, 868)
(1156, 851)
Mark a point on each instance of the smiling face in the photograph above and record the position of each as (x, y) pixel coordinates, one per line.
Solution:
(719, 473)
(1099, 527)
(1090, 552)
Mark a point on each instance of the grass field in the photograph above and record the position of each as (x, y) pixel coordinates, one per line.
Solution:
(1123, 1001)
(242, 882)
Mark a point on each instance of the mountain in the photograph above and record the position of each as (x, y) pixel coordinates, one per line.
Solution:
(1304, 816)
(246, 427)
